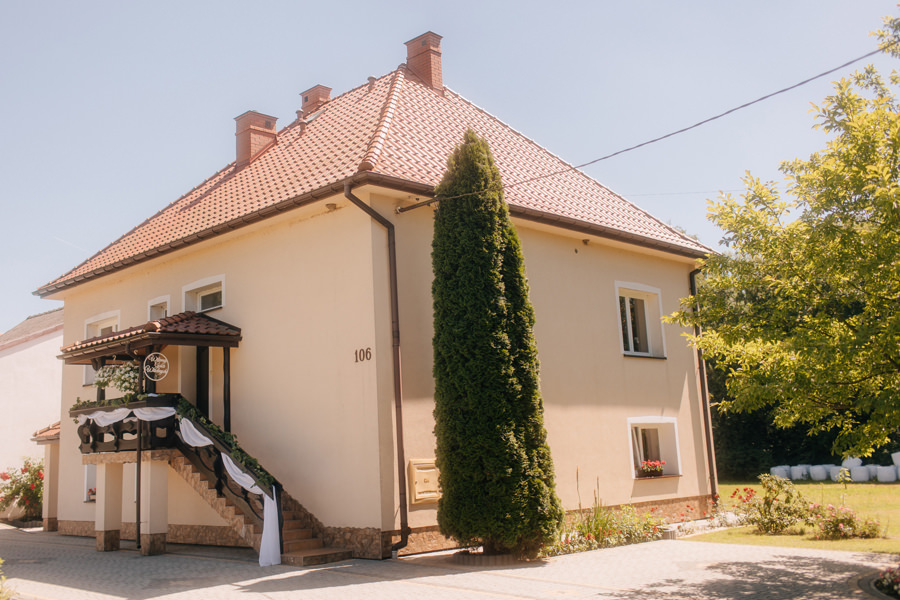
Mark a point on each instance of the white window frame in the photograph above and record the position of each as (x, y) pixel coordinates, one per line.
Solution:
(93, 327)
(90, 481)
(669, 448)
(652, 301)
(159, 300)
(193, 292)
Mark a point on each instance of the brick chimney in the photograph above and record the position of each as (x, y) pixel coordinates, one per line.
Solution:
(423, 57)
(313, 98)
(255, 132)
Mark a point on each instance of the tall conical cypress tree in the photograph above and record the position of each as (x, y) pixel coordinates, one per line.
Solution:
(496, 472)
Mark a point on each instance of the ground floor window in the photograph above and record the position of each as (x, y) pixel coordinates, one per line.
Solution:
(654, 439)
(90, 483)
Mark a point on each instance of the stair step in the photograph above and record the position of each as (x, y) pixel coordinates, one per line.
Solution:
(305, 544)
(290, 535)
(293, 524)
(320, 556)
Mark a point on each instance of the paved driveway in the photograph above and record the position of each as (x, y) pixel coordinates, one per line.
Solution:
(47, 565)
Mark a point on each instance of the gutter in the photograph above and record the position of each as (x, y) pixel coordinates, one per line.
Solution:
(704, 395)
(398, 387)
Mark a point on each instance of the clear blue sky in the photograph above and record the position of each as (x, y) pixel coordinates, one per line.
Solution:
(111, 110)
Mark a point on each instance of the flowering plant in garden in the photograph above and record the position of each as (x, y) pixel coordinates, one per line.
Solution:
(838, 523)
(888, 582)
(124, 377)
(651, 467)
(24, 487)
(780, 506)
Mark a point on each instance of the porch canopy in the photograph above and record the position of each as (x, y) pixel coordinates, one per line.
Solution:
(184, 329)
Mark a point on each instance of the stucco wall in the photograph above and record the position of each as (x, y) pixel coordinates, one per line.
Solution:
(590, 388)
(310, 291)
(300, 288)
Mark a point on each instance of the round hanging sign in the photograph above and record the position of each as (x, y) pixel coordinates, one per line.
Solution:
(156, 366)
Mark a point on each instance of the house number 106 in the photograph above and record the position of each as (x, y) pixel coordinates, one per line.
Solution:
(363, 354)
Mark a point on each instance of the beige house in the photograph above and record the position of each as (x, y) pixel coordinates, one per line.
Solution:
(290, 296)
(30, 376)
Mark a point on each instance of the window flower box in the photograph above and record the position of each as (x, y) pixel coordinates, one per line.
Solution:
(650, 468)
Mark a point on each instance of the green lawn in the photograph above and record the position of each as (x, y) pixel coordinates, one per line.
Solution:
(880, 501)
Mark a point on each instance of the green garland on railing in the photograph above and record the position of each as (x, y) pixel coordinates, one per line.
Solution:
(127, 398)
(229, 440)
(188, 410)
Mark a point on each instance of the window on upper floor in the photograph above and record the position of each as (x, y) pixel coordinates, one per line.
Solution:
(99, 326)
(640, 320)
(158, 308)
(205, 295)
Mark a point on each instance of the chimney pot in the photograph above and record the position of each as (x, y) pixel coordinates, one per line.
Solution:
(423, 57)
(254, 132)
(314, 98)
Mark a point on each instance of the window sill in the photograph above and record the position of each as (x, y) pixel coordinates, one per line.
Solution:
(674, 476)
(634, 355)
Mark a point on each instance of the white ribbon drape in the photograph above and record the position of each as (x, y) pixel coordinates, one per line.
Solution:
(104, 418)
(154, 413)
(191, 436)
(270, 544)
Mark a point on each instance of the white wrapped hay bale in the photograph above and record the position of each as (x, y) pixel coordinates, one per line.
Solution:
(799, 472)
(859, 474)
(783, 471)
(887, 474)
(896, 458)
(835, 473)
(851, 462)
(873, 471)
(818, 473)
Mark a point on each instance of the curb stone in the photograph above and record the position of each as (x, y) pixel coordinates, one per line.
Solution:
(867, 584)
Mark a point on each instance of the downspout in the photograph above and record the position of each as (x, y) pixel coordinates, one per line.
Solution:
(398, 388)
(704, 395)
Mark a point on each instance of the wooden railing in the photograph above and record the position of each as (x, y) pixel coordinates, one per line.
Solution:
(123, 436)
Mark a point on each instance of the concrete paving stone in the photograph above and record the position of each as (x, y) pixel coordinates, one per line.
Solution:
(45, 566)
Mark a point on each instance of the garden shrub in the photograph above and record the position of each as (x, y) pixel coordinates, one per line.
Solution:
(838, 523)
(25, 487)
(780, 506)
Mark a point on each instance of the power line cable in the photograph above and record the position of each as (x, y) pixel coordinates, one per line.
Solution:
(662, 137)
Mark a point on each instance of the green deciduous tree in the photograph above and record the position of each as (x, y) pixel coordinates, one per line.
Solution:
(803, 308)
(496, 473)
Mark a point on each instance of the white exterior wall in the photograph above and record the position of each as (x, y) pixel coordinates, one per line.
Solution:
(30, 378)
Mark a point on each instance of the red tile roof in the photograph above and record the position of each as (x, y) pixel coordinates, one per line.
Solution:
(396, 132)
(50, 433)
(186, 323)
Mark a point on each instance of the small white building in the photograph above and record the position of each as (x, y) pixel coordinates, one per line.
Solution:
(30, 380)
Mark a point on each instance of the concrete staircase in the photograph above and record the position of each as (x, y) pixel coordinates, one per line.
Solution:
(301, 547)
